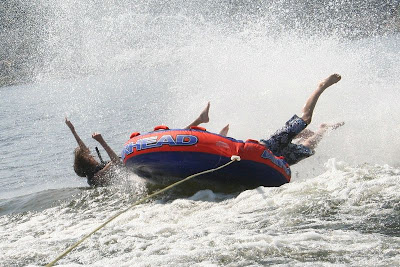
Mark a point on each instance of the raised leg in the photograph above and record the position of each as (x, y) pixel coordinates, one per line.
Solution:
(306, 133)
(313, 140)
(308, 108)
(203, 117)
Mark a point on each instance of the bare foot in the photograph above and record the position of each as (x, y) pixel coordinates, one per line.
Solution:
(334, 78)
(337, 125)
(203, 118)
(224, 130)
(333, 126)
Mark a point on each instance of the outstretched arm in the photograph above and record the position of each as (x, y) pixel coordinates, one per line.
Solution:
(77, 138)
(114, 158)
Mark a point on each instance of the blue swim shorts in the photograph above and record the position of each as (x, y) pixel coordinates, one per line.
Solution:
(280, 143)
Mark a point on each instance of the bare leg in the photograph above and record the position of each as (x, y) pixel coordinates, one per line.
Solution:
(308, 108)
(306, 133)
(203, 117)
(224, 130)
(312, 141)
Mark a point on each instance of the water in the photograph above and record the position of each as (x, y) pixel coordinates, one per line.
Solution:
(116, 68)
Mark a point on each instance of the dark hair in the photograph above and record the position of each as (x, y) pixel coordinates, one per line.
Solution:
(84, 163)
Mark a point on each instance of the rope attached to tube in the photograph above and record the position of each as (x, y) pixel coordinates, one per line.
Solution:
(233, 159)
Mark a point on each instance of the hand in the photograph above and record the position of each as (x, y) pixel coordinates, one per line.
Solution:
(69, 124)
(97, 137)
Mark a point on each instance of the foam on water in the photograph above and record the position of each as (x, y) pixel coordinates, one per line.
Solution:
(347, 215)
(122, 67)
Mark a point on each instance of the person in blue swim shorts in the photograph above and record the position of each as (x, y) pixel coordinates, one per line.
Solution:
(293, 141)
(280, 143)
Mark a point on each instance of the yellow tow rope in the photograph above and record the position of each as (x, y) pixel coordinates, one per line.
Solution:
(233, 159)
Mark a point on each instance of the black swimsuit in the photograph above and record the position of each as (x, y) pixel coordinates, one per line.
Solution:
(91, 175)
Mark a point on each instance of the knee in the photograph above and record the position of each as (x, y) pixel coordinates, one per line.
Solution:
(306, 119)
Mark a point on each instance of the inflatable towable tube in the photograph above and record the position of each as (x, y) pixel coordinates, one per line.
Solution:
(174, 154)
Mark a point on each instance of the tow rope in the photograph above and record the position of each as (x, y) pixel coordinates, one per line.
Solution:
(233, 159)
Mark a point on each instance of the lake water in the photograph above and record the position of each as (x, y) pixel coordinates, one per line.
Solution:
(129, 67)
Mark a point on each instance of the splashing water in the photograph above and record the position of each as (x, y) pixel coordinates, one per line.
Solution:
(118, 67)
